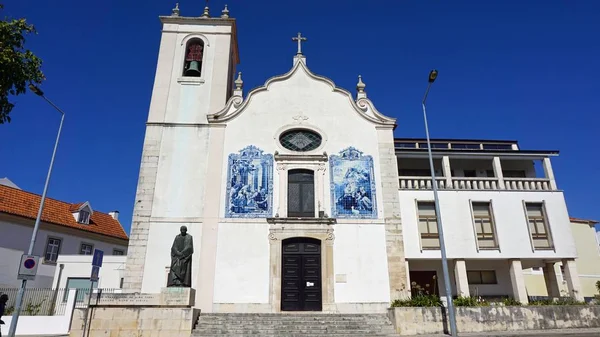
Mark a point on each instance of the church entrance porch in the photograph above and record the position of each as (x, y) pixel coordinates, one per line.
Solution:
(301, 275)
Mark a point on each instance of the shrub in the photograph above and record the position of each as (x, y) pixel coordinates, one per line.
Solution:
(509, 301)
(560, 301)
(418, 301)
(470, 301)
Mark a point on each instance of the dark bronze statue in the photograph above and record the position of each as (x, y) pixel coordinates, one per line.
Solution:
(180, 274)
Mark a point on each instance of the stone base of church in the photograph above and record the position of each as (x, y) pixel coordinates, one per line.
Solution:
(169, 313)
(341, 308)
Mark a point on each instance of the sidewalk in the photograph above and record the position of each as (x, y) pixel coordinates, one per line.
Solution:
(554, 332)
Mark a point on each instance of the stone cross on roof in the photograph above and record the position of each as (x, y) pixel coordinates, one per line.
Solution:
(300, 39)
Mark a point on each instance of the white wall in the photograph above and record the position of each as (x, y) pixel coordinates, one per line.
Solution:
(80, 266)
(359, 253)
(15, 240)
(511, 224)
(44, 325)
(243, 257)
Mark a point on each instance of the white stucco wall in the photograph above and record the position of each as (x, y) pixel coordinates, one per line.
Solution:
(360, 257)
(242, 272)
(509, 215)
(15, 240)
(80, 266)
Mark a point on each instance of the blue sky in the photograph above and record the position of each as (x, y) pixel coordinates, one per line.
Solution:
(525, 70)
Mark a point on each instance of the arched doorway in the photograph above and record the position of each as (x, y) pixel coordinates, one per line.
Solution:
(301, 288)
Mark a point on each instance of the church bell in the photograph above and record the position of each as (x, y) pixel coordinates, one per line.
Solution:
(193, 69)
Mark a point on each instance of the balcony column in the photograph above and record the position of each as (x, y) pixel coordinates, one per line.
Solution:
(572, 278)
(551, 280)
(549, 173)
(518, 281)
(447, 171)
(498, 172)
(460, 276)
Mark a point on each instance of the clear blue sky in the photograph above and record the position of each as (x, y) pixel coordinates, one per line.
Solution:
(525, 70)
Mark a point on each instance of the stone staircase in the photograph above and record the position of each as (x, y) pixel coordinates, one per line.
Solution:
(293, 325)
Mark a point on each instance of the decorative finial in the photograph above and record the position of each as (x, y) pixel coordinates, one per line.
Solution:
(360, 87)
(239, 83)
(175, 11)
(225, 13)
(206, 13)
(300, 39)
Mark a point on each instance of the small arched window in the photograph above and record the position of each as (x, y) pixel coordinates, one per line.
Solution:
(192, 65)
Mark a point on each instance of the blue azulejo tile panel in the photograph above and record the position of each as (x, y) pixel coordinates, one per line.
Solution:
(352, 185)
(249, 184)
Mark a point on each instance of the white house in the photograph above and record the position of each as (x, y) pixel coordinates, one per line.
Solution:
(299, 198)
(65, 229)
(501, 210)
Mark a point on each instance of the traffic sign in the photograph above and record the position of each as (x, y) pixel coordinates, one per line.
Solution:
(97, 259)
(95, 272)
(28, 267)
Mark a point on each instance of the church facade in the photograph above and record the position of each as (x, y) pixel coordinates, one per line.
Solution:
(288, 209)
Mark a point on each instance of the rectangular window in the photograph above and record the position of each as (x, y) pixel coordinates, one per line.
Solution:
(81, 284)
(497, 146)
(470, 173)
(84, 217)
(52, 249)
(538, 226)
(406, 145)
(428, 225)
(118, 252)
(86, 249)
(484, 225)
(465, 146)
(482, 277)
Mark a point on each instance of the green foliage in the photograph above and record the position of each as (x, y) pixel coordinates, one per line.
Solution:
(18, 66)
(33, 309)
(560, 301)
(509, 301)
(598, 286)
(470, 301)
(9, 311)
(419, 301)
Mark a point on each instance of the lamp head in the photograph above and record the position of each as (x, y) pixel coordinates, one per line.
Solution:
(432, 75)
(36, 90)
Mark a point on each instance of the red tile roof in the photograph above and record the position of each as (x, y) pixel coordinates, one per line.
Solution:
(22, 203)
(590, 222)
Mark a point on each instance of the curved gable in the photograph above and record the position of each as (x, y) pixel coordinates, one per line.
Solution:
(363, 106)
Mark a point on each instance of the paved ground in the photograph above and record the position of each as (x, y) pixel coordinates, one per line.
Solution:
(536, 333)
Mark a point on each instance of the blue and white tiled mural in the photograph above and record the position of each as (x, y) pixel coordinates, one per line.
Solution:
(352, 185)
(249, 184)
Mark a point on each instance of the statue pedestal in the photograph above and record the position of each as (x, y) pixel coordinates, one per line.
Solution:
(168, 313)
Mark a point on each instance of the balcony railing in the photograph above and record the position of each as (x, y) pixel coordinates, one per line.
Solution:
(476, 184)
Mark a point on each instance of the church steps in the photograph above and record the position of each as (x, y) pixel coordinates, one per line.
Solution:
(294, 324)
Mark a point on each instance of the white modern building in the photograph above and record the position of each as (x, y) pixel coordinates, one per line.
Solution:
(298, 196)
(501, 210)
(65, 229)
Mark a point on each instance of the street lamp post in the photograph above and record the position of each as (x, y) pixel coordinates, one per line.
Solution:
(451, 315)
(20, 294)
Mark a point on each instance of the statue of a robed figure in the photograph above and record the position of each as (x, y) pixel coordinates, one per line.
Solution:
(180, 274)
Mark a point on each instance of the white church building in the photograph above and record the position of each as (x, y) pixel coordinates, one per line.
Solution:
(290, 211)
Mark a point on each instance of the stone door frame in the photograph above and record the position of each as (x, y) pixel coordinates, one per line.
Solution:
(322, 232)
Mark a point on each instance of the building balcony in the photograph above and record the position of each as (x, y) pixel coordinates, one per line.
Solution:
(476, 184)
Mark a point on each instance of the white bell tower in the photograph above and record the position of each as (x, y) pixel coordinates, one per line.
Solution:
(194, 78)
(196, 65)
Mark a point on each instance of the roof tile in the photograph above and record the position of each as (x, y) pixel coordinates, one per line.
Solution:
(22, 203)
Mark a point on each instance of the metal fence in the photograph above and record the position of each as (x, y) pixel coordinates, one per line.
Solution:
(47, 301)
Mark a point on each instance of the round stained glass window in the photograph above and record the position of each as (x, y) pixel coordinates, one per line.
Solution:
(301, 140)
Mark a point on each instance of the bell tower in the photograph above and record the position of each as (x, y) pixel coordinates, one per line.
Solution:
(195, 69)
(194, 77)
